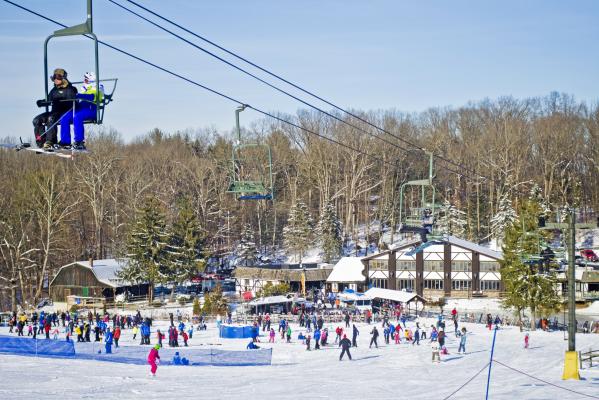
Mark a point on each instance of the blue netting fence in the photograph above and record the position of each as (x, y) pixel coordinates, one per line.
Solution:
(36, 347)
(237, 332)
(132, 354)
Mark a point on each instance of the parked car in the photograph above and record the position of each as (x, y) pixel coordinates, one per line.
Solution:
(589, 255)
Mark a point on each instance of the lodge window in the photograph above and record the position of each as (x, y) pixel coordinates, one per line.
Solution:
(406, 265)
(407, 284)
(378, 265)
(434, 284)
(461, 266)
(489, 285)
(433, 266)
(489, 266)
(460, 285)
(380, 283)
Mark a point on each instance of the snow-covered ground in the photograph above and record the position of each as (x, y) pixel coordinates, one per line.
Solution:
(403, 370)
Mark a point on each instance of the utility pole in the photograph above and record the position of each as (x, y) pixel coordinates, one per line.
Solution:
(571, 359)
(572, 285)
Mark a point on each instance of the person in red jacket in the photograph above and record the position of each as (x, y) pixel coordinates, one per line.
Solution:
(185, 337)
(47, 327)
(154, 359)
(116, 336)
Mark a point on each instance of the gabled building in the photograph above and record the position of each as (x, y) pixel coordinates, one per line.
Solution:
(452, 267)
(93, 278)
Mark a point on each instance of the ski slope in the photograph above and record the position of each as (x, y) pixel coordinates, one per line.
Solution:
(390, 371)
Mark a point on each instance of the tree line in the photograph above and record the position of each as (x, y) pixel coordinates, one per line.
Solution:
(56, 211)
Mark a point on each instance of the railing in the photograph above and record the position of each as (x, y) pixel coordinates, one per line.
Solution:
(588, 356)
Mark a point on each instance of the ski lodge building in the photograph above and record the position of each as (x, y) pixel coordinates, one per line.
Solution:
(453, 268)
(93, 278)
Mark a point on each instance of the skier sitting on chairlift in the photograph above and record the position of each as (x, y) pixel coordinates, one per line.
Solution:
(427, 220)
(58, 98)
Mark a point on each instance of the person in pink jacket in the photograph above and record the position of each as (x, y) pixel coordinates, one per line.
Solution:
(154, 359)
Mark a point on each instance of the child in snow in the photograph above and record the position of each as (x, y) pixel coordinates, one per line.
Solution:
(271, 335)
(308, 342)
(526, 340)
(397, 340)
(55, 334)
(435, 349)
(462, 341)
(185, 337)
(154, 359)
(252, 346)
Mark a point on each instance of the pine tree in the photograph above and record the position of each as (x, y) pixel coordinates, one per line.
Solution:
(525, 286)
(451, 221)
(185, 245)
(329, 233)
(148, 247)
(246, 250)
(503, 219)
(297, 234)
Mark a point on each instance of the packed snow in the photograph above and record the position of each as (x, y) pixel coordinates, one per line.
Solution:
(391, 370)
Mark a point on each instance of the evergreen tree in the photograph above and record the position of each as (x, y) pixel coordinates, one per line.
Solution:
(297, 234)
(329, 233)
(451, 221)
(246, 250)
(525, 285)
(185, 245)
(503, 219)
(148, 247)
(215, 302)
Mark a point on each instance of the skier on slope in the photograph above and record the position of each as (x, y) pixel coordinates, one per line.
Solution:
(345, 344)
(375, 335)
(355, 334)
(154, 359)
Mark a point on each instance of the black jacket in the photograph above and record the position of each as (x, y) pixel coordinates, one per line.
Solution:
(345, 343)
(57, 97)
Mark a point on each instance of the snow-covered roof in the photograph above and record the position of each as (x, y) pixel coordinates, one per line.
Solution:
(269, 300)
(105, 271)
(393, 295)
(348, 269)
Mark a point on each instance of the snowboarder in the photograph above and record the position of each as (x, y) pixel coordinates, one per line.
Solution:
(375, 335)
(355, 334)
(345, 344)
(154, 359)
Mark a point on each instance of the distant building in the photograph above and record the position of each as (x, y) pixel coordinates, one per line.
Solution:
(253, 279)
(94, 278)
(452, 268)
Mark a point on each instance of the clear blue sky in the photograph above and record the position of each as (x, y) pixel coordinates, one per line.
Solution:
(367, 55)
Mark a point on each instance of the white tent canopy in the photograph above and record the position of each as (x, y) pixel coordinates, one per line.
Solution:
(269, 300)
(393, 295)
(347, 270)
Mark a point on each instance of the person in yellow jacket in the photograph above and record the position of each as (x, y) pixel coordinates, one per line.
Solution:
(85, 110)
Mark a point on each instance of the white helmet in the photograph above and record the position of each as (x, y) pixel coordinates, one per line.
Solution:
(89, 76)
